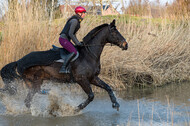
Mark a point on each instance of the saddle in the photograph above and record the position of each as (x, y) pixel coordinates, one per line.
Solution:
(63, 53)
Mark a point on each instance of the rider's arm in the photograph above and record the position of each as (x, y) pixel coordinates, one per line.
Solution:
(73, 26)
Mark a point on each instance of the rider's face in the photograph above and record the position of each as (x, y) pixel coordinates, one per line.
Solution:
(82, 15)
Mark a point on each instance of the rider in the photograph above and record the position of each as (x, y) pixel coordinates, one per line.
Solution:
(68, 34)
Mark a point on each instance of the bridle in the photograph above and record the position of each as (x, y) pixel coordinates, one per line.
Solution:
(87, 47)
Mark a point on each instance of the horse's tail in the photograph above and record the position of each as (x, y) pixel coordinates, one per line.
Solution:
(8, 74)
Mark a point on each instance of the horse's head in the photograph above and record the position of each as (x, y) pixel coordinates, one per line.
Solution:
(115, 37)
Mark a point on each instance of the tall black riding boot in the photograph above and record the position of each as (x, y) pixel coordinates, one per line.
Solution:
(66, 62)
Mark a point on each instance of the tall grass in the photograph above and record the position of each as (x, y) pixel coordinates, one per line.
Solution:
(159, 49)
(158, 54)
(26, 29)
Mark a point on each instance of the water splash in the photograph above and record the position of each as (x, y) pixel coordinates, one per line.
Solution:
(14, 104)
(62, 100)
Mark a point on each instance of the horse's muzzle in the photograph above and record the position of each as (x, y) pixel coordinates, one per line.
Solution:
(124, 45)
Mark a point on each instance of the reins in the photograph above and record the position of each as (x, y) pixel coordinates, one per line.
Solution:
(90, 51)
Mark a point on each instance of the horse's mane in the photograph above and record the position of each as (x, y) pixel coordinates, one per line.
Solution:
(93, 33)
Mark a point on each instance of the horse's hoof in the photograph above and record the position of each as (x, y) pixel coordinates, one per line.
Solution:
(27, 104)
(77, 110)
(12, 90)
(116, 106)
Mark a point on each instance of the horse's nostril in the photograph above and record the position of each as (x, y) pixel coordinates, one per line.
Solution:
(125, 45)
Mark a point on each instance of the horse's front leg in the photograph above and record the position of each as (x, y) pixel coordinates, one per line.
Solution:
(85, 84)
(100, 83)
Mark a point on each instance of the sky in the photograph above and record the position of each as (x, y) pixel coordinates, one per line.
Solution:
(126, 3)
(3, 4)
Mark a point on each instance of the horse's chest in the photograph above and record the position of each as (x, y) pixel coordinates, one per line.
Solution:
(87, 70)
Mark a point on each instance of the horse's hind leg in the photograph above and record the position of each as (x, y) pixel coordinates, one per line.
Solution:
(100, 83)
(34, 87)
(88, 90)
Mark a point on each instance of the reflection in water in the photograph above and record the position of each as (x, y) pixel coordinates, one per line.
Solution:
(176, 93)
(167, 105)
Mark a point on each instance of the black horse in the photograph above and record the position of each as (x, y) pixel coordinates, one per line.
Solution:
(38, 66)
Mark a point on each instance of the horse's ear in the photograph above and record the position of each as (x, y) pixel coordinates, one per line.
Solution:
(112, 23)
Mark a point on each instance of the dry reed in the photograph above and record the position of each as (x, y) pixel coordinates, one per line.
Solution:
(158, 53)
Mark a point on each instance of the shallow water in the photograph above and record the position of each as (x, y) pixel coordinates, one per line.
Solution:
(169, 105)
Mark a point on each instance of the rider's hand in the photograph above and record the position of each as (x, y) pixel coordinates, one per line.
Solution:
(80, 44)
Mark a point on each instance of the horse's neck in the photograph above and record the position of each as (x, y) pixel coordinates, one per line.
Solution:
(97, 44)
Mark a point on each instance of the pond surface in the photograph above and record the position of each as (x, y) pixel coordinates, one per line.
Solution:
(169, 105)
